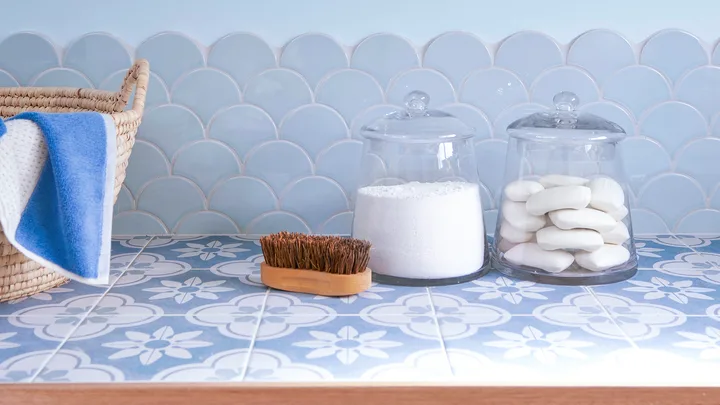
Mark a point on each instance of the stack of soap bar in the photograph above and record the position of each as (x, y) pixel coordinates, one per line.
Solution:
(557, 220)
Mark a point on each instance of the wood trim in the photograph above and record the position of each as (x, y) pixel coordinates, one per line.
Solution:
(338, 394)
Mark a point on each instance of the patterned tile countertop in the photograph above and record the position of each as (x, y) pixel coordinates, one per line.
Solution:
(192, 309)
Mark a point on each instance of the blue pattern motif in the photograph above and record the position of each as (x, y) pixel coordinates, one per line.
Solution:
(193, 309)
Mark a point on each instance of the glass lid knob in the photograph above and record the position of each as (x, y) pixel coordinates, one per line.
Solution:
(566, 101)
(417, 102)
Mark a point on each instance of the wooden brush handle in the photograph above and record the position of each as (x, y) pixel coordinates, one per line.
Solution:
(315, 282)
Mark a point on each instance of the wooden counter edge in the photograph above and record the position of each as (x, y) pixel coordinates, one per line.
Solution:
(345, 394)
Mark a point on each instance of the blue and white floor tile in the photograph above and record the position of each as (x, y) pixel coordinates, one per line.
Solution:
(651, 250)
(202, 252)
(346, 348)
(516, 296)
(22, 351)
(179, 293)
(701, 243)
(156, 348)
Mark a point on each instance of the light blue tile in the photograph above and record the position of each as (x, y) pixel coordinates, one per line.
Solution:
(171, 55)
(157, 92)
(278, 91)
(701, 221)
(97, 55)
(6, 80)
(341, 162)
(195, 253)
(384, 56)
(171, 198)
(566, 78)
(206, 92)
(492, 91)
(456, 54)
(62, 77)
(673, 124)
(301, 199)
(146, 163)
(368, 117)
(601, 52)
(125, 201)
(659, 195)
(696, 88)
(437, 86)
(206, 222)
(510, 114)
(643, 159)
(313, 127)
(243, 199)
(26, 54)
(698, 160)
(492, 153)
(206, 163)
(46, 302)
(471, 116)
(490, 219)
(242, 56)
(637, 88)
(313, 56)
(179, 294)
(346, 348)
(687, 295)
(277, 221)
(138, 222)
(648, 222)
(22, 354)
(350, 92)
(514, 296)
(702, 243)
(160, 350)
(242, 127)
(527, 54)
(673, 52)
(278, 163)
(612, 112)
(338, 224)
(170, 127)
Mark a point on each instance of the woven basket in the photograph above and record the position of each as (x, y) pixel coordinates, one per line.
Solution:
(20, 276)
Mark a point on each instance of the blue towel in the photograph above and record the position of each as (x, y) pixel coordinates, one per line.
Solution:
(56, 190)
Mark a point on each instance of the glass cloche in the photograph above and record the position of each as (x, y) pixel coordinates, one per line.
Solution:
(564, 216)
(418, 201)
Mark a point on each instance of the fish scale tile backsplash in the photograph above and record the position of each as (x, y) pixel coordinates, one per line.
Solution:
(239, 137)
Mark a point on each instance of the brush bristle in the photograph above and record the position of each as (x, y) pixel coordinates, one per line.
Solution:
(331, 254)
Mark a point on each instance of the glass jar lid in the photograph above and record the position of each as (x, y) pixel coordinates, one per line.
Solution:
(417, 124)
(565, 124)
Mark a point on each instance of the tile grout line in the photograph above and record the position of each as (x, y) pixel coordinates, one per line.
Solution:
(612, 319)
(86, 315)
(439, 331)
(251, 348)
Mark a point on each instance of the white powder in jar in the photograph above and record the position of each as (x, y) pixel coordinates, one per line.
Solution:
(422, 230)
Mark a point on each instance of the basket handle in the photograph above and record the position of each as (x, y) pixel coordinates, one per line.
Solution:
(137, 77)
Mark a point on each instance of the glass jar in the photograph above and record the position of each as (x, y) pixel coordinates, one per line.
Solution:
(418, 201)
(564, 216)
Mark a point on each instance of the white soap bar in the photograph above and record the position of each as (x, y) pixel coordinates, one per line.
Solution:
(558, 198)
(604, 258)
(521, 190)
(514, 235)
(619, 213)
(530, 254)
(607, 194)
(554, 238)
(588, 218)
(618, 235)
(504, 245)
(556, 180)
(516, 214)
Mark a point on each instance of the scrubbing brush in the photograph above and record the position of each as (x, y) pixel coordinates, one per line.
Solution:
(332, 266)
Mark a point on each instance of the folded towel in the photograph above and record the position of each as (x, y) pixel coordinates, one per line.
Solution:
(57, 174)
